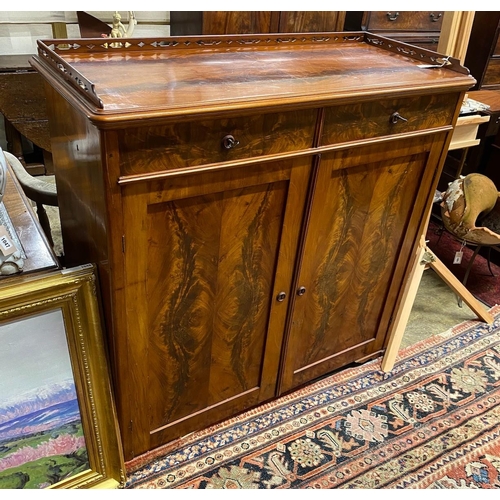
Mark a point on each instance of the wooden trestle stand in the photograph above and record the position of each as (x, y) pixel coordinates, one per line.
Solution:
(424, 259)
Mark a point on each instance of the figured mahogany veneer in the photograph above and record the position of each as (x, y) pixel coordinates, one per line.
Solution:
(250, 204)
(360, 121)
(188, 144)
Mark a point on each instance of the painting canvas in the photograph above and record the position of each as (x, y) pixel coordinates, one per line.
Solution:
(58, 426)
(41, 435)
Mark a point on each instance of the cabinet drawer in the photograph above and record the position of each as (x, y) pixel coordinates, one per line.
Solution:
(408, 21)
(492, 74)
(353, 122)
(424, 40)
(188, 144)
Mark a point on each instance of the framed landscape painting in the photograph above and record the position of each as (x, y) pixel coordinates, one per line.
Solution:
(58, 425)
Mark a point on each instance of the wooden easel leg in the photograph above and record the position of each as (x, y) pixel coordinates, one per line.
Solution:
(423, 258)
(448, 277)
(399, 323)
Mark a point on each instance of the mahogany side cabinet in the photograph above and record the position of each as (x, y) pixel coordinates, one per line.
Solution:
(252, 203)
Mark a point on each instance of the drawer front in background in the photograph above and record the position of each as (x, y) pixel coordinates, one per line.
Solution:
(188, 144)
(408, 21)
(353, 122)
(423, 41)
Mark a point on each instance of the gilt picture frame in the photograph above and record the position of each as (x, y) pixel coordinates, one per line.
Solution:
(58, 425)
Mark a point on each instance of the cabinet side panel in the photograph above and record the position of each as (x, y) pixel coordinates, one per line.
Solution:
(76, 149)
(83, 196)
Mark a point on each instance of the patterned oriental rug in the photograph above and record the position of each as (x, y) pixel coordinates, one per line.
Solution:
(433, 422)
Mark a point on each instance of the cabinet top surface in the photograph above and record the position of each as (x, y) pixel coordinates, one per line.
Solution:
(190, 75)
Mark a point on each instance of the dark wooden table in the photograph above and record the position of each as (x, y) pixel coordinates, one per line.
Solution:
(39, 254)
(490, 97)
(23, 105)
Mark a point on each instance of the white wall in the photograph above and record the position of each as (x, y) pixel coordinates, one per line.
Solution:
(19, 30)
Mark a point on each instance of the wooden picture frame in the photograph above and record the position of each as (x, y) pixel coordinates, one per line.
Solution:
(51, 352)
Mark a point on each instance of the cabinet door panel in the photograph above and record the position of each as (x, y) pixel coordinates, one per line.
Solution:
(218, 23)
(209, 297)
(211, 332)
(361, 212)
(301, 22)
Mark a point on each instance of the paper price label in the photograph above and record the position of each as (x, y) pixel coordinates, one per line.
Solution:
(7, 247)
(458, 257)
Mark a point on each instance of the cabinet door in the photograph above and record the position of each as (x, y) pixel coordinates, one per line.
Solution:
(366, 212)
(206, 256)
(302, 22)
(218, 23)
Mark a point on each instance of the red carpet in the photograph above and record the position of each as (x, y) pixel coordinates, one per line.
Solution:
(481, 283)
(432, 422)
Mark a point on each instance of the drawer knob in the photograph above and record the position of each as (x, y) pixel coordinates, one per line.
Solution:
(229, 142)
(392, 16)
(301, 291)
(435, 18)
(396, 117)
(281, 297)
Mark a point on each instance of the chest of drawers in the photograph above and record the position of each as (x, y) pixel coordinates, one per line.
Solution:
(421, 28)
(251, 201)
